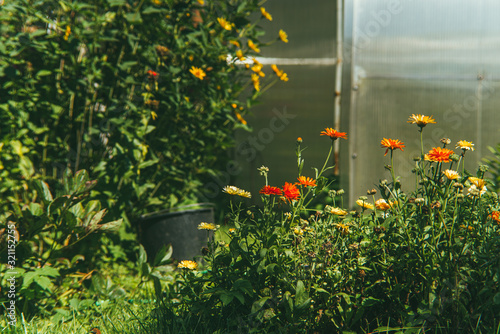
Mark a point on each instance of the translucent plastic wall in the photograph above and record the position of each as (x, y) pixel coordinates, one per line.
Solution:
(439, 58)
(400, 57)
(303, 106)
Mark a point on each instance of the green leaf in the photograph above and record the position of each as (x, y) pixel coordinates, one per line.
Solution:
(133, 17)
(301, 295)
(226, 298)
(143, 257)
(43, 190)
(115, 3)
(43, 73)
(257, 305)
(111, 226)
(36, 209)
(26, 167)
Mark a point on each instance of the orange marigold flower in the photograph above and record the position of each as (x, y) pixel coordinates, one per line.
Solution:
(283, 36)
(438, 154)
(152, 74)
(392, 144)
(290, 191)
(307, 181)
(269, 190)
(266, 14)
(333, 134)
(381, 204)
(421, 120)
(198, 72)
(495, 215)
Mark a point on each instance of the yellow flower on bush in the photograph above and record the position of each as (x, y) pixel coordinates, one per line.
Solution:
(235, 43)
(282, 75)
(364, 204)
(240, 118)
(451, 174)
(224, 23)
(67, 33)
(266, 14)
(198, 72)
(465, 145)
(239, 54)
(256, 81)
(186, 264)
(252, 46)
(283, 36)
(421, 120)
(207, 226)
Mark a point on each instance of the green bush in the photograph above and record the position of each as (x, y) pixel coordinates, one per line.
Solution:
(145, 95)
(423, 261)
(39, 260)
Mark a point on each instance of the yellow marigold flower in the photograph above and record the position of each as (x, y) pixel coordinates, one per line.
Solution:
(298, 231)
(465, 145)
(232, 190)
(191, 265)
(337, 212)
(343, 228)
(240, 118)
(154, 115)
(381, 204)
(283, 36)
(257, 68)
(224, 23)
(266, 14)
(451, 174)
(256, 82)
(364, 204)
(198, 72)
(284, 77)
(207, 226)
(421, 120)
(201, 2)
(239, 54)
(252, 46)
(479, 183)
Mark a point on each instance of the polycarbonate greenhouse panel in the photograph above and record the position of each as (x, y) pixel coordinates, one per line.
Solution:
(382, 110)
(301, 107)
(311, 28)
(446, 39)
(408, 57)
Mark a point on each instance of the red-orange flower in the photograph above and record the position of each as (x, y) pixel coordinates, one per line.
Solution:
(495, 215)
(268, 190)
(290, 191)
(392, 144)
(307, 181)
(152, 74)
(438, 154)
(334, 134)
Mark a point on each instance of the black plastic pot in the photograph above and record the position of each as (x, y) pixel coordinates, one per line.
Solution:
(179, 228)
